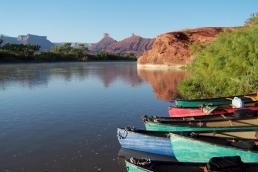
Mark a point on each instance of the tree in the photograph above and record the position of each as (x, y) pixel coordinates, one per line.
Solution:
(1, 40)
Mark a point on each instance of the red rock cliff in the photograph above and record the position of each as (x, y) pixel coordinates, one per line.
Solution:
(173, 48)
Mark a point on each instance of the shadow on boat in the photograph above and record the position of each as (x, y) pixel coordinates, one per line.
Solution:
(125, 154)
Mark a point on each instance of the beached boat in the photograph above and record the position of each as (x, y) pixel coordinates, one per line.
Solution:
(238, 115)
(248, 124)
(231, 163)
(174, 111)
(188, 146)
(214, 101)
(146, 141)
(202, 148)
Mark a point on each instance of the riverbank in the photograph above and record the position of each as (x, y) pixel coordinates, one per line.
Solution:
(160, 66)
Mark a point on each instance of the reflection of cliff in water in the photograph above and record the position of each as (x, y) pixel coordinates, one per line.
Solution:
(126, 72)
(163, 82)
(34, 75)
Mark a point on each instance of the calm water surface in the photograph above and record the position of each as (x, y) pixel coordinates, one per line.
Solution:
(63, 117)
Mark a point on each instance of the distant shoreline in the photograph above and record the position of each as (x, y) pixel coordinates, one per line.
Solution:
(149, 66)
(37, 62)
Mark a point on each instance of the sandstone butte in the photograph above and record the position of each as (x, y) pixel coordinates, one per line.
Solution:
(134, 44)
(172, 49)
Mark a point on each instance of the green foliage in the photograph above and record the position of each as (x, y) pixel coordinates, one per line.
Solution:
(228, 66)
(107, 56)
(21, 49)
(66, 52)
(78, 52)
(253, 20)
(196, 47)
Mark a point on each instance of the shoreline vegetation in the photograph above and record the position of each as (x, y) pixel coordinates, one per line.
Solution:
(227, 66)
(20, 53)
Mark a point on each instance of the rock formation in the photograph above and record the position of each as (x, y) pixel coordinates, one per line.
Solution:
(42, 41)
(133, 44)
(103, 44)
(173, 48)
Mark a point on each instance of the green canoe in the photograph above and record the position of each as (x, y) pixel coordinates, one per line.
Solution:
(214, 101)
(244, 127)
(215, 164)
(202, 148)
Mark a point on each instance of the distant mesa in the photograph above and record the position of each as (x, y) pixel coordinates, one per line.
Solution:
(42, 41)
(172, 48)
(133, 44)
(103, 44)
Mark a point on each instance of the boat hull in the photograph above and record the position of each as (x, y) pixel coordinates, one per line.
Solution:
(188, 112)
(214, 101)
(187, 149)
(142, 142)
(161, 166)
(248, 132)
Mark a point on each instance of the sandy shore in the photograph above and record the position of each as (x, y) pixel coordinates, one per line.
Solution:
(160, 66)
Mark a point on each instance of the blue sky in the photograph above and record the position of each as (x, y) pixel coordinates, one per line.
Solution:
(87, 20)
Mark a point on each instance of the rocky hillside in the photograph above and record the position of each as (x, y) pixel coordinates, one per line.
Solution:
(103, 44)
(173, 48)
(133, 44)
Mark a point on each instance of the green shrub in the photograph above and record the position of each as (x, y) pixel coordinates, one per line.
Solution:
(227, 66)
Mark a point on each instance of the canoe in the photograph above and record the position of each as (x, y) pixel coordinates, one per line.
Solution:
(248, 132)
(237, 115)
(214, 101)
(186, 146)
(146, 141)
(248, 124)
(231, 163)
(124, 154)
(174, 111)
(202, 148)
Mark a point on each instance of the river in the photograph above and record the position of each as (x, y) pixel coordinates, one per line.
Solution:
(62, 117)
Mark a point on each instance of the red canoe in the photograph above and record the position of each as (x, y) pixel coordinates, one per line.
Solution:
(184, 112)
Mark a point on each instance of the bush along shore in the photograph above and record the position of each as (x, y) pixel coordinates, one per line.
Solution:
(227, 66)
(15, 53)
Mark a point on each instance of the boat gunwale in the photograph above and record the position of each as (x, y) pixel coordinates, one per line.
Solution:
(209, 118)
(247, 96)
(238, 128)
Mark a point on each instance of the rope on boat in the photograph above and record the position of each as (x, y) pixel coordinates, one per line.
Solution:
(124, 134)
(141, 162)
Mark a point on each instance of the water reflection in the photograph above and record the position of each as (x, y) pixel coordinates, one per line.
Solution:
(63, 117)
(34, 75)
(163, 82)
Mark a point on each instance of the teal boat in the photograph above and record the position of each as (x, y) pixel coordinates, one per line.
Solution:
(215, 164)
(247, 132)
(238, 125)
(188, 146)
(214, 101)
(202, 148)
